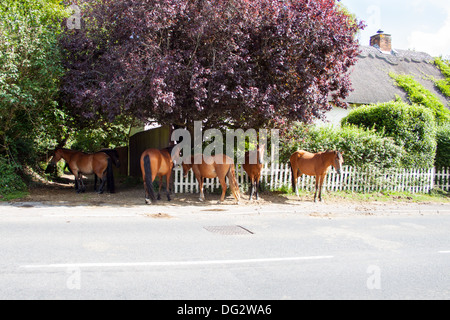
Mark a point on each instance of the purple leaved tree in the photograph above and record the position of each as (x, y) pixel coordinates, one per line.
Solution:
(228, 63)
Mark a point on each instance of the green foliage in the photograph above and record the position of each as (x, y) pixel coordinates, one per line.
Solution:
(104, 136)
(411, 127)
(444, 84)
(418, 94)
(444, 66)
(443, 147)
(30, 69)
(361, 147)
(10, 181)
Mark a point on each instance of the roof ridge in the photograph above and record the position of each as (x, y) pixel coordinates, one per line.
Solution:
(396, 55)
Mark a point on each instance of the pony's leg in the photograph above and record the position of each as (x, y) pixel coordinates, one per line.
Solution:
(251, 190)
(82, 187)
(160, 187)
(322, 178)
(299, 177)
(223, 183)
(102, 183)
(257, 187)
(297, 174)
(147, 193)
(78, 184)
(95, 182)
(317, 187)
(168, 189)
(200, 185)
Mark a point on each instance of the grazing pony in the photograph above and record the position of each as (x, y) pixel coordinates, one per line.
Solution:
(80, 163)
(154, 163)
(218, 166)
(253, 166)
(314, 164)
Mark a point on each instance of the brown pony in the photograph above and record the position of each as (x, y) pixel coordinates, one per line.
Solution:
(80, 163)
(253, 165)
(154, 163)
(217, 166)
(314, 164)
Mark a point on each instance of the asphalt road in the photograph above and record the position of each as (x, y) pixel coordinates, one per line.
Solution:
(328, 251)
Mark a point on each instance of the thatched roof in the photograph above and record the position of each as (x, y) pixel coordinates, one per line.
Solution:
(371, 80)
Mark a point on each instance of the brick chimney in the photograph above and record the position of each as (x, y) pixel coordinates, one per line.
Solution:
(382, 41)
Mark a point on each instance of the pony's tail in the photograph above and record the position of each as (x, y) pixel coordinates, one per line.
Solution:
(294, 181)
(110, 177)
(233, 183)
(148, 178)
(114, 155)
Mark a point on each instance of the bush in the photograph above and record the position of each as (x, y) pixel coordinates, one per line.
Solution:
(361, 147)
(411, 127)
(10, 181)
(443, 147)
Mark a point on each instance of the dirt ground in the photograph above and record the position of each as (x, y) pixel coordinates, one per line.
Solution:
(62, 193)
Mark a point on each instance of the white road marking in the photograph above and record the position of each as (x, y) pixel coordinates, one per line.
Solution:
(171, 263)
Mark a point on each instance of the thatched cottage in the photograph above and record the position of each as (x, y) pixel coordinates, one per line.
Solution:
(371, 80)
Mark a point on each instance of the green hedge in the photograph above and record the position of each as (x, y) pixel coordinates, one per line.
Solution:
(411, 127)
(443, 147)
(361, 147)
(10, 181)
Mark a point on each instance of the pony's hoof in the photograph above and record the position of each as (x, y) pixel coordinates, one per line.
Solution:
(201, 200)
(148, 201)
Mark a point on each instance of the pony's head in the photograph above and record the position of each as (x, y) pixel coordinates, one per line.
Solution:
(338, 161)
(186, 168)
(57, 155)
(261, 149)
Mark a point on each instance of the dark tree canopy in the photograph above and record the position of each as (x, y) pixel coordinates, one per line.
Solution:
(234, 63)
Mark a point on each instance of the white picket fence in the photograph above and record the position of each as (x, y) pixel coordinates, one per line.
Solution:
(442, 179)
(276, 176)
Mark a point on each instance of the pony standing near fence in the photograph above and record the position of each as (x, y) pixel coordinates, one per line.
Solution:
(314, 164)
(218, 166)
(81, 163)
(154, 163)
(253, 166)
